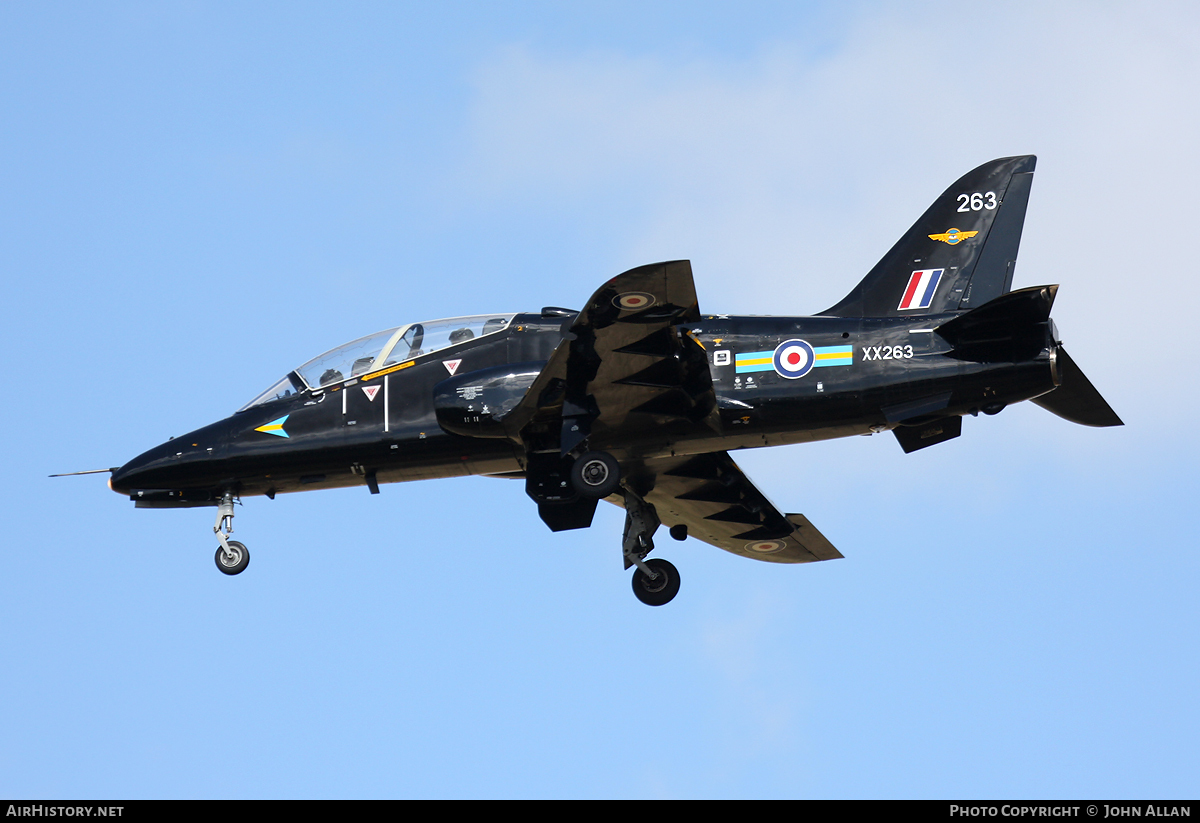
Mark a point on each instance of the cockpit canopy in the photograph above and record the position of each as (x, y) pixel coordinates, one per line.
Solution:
(382, 349)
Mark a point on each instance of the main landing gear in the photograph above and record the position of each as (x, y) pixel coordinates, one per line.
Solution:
(660, 589)
(595, 475)
(232, 557)
(655, 582)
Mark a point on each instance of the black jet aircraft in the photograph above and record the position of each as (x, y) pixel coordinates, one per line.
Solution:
(639, 397)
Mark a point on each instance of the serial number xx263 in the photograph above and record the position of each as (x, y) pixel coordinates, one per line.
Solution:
(887, 352)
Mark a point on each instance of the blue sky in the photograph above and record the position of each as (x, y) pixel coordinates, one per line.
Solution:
(197, 197)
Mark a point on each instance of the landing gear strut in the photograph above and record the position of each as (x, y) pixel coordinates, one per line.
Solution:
(232, 557)
(655, 582)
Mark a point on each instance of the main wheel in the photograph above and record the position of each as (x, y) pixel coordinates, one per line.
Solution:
(661, 590)
(238, 563)
(595, 475)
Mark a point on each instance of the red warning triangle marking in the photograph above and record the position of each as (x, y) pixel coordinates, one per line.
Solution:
(370, 392)
(451, 365)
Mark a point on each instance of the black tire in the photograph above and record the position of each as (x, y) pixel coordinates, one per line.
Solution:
(660, 591)
(243, 558)
(679, 531)
(595, 475)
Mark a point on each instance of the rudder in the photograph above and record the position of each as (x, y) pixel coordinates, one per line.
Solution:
(959, 255)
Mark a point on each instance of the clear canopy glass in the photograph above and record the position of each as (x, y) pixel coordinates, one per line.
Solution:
(385, 348)
(284, 388)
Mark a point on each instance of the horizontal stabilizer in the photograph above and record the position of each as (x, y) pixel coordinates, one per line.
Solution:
(1076, 399)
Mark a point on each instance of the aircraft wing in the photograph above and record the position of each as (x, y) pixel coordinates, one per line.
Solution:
(628, 379)
(626, 376)
(720, 506)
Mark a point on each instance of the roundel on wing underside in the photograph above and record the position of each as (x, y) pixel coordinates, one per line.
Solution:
(793, 359)
(766, 546)
(633, 300)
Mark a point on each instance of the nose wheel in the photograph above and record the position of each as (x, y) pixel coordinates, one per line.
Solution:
(233, 557)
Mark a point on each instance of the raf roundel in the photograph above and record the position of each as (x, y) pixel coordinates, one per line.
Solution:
(793, 358)
(766, 546)
(633, 300)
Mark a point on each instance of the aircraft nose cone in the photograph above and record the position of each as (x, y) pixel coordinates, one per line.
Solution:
(180, 463)
(125, 479)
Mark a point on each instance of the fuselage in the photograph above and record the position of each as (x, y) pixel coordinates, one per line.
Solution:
(638, 398)
(429, 417)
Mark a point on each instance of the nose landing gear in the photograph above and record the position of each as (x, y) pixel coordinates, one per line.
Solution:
(232, 557)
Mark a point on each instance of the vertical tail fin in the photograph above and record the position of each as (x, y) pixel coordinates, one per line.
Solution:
(959, 255)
